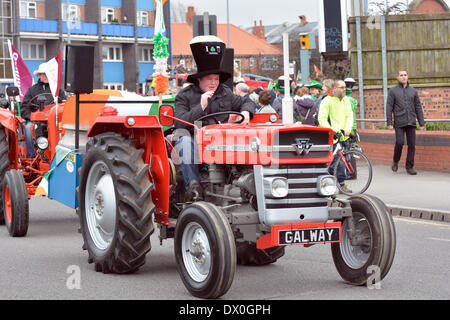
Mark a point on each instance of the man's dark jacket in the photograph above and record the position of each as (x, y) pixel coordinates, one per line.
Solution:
(33, 91)
(188, 108)
(405, 104)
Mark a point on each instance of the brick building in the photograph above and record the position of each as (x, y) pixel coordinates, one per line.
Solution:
(121, 32)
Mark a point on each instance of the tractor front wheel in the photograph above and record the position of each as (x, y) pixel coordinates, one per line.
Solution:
(4, 165)
(204, 250)
(15, 203)
(368, 242)
(116, 207)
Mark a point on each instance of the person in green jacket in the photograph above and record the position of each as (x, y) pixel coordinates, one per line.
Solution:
(336, 110)
(336, 113)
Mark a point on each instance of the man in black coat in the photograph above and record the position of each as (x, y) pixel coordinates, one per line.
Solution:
(206, 95)
(404, 102)
(27, 108)
(40, 87)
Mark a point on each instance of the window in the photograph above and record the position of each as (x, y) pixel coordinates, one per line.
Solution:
(251, 62)
(32, 50)
(70, 13)
(269, 63)
(142, 18)
(107, 15)
(112, 53)
(145, 54)
(113, 85)
(28, 9)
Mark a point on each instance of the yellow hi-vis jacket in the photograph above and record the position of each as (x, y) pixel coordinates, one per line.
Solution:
(336, 114)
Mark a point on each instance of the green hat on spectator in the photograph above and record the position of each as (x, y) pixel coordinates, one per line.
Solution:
(314, 84)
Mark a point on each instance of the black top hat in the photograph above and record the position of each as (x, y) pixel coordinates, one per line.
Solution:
(208, 52)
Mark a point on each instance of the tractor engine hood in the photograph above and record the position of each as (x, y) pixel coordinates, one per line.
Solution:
(264, 144)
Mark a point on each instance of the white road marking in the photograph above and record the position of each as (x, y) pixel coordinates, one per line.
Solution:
(439, 239)
(421, 221)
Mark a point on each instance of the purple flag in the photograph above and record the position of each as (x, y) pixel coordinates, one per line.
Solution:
(22, 76)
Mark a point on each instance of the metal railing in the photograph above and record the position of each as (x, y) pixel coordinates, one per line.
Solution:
(373, 121)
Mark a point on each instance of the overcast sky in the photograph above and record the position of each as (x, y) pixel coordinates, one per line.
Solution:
(244, 12)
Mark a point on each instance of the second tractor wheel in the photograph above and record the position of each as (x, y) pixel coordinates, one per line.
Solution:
(116, 207)
(15, 203)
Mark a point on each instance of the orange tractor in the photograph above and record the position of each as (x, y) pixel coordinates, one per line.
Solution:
(266, 187)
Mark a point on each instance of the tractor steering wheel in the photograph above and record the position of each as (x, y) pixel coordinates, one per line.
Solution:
(214, 115)
(30, 104)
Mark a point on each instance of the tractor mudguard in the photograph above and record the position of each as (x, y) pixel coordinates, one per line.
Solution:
(149, 135)
(7, 120)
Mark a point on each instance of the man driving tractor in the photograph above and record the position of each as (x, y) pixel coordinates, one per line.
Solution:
(206, 95)
(29, 103)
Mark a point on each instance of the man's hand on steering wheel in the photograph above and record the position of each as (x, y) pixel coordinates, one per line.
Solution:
(34, 105)
(243, 116)
(246, 115)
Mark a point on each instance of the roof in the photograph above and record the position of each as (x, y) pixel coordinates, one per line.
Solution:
(415, 4)
(243, 42)
(274, 33)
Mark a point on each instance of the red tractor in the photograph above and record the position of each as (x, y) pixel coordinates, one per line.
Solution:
(20, 176)
(266, 186)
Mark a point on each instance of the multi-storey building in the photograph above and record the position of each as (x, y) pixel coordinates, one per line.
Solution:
(121, 32)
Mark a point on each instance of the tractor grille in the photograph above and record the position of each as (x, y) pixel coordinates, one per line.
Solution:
(315, 141)
(302, 179)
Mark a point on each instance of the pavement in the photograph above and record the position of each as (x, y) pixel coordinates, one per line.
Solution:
(424, 196)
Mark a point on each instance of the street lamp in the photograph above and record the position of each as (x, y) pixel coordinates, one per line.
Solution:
(228, 23)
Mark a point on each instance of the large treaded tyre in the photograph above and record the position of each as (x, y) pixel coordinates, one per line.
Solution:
(375, 241)
(205, 251)
(15, 203)
(4, 165)
(115, 204)
(248, 254)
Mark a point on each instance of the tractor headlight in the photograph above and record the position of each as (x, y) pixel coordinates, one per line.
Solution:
(326, 185)
(42, 143)
(280, 187)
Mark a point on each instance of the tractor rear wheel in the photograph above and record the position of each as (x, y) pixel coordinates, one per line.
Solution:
(4, 165)
(204, 250)
(15, 203)
(116, 207)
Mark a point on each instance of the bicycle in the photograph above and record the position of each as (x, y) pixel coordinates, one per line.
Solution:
(355, 165)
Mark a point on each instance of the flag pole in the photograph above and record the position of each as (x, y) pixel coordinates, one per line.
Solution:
(14, 75)
(12, 63)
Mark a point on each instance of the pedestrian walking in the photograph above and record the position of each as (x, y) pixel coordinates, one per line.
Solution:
(403, 101)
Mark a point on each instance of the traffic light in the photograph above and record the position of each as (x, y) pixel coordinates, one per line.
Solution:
(304, 41)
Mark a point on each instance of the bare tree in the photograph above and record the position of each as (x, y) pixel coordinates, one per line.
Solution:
(383, 8)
